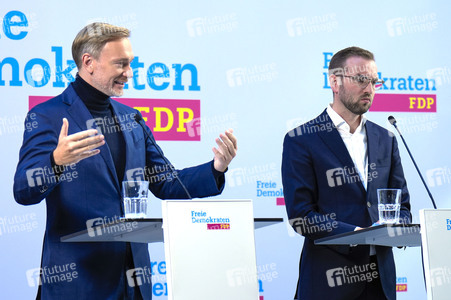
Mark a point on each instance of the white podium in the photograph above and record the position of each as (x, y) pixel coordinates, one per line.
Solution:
(434, 237)
(209, 247)
(436, 242)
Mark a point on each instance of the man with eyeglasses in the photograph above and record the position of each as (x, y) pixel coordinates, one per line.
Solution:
(331, 169)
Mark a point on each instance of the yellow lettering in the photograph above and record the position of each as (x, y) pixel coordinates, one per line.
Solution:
(143, 109)
(168, 112)
(430, 102)
(421, 103)
(182, 119)
(412, 102)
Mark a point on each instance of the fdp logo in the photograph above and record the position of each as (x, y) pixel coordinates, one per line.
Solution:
(168, 119)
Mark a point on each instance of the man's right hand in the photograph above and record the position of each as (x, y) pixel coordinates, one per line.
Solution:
(76, 147)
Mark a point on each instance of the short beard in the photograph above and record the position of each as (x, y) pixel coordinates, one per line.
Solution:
(353, 107)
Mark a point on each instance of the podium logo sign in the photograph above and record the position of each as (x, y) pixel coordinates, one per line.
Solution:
(218, 226)
(401, 284)
(213, 223)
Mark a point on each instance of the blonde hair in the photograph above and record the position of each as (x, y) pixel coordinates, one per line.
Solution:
(93, 37)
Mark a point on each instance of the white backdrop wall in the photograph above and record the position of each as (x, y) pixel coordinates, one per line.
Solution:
(260, 69)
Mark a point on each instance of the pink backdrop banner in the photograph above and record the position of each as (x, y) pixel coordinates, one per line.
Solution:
(169, 119)
(404, 103)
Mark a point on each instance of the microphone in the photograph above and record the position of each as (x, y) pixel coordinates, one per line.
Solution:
(392, 121)
(138, 120)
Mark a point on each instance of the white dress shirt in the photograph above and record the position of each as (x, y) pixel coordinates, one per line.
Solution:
(356, 143)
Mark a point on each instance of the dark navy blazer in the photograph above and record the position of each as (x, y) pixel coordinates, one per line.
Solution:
(324, 196)
(94, 193)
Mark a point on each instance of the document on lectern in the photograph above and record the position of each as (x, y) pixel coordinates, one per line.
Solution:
(210, 249)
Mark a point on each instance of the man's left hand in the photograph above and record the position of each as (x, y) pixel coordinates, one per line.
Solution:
(227, 147)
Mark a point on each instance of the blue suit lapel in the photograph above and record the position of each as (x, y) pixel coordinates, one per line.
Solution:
(126, 122)
(80, 114)
(335, 143)
(373, 150)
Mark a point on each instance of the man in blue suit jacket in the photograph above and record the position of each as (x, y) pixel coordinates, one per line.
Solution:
(61, 165)
(332, 167)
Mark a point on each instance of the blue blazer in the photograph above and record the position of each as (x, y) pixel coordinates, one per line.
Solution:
(324, 196)
(91, 190)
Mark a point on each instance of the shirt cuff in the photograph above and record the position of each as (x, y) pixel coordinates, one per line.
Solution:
(57, 169)
(219, 176)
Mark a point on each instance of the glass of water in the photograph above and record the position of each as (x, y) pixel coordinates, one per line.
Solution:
(389, 205)
(134, 195)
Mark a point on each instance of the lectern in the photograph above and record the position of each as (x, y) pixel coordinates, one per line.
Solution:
(434, 237)
(209, 246)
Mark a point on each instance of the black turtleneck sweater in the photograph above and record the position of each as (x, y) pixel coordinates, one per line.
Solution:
(99, 105)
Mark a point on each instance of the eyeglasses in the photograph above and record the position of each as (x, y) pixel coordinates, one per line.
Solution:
(363, 81)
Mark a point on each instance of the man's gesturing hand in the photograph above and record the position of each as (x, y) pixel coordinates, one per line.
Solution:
(226, 152)
(75, 147)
